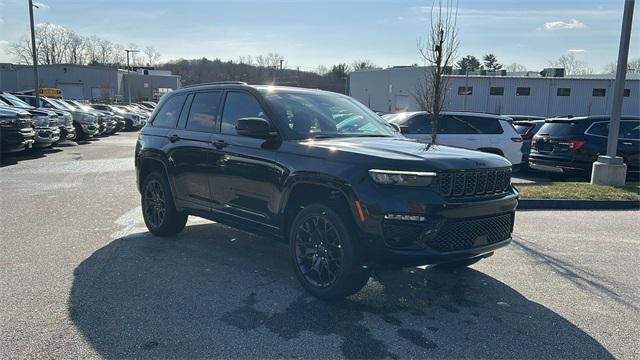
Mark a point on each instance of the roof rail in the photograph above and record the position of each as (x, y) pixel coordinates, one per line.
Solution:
(216, 83)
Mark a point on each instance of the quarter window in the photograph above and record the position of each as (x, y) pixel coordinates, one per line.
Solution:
(239, 105)
(523, 91)
(496, 90)
(599, 92)
(168, 115)
(203, 115)
(465, 90)
(564, 92)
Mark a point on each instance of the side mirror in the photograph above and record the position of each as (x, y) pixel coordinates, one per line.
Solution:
(404, 129)
(254, 127)
(396, 127)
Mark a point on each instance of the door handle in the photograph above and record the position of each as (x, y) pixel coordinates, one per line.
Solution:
(220, 144)
(173, 138)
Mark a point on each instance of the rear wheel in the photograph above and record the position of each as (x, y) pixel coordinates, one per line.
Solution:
(158, 209)
(325, 256)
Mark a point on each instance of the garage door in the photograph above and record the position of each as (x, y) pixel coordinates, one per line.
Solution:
(72, 91)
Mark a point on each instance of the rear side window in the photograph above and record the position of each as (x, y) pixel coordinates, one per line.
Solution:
(462, 124)
(203, 115)
(452, 124)
(599, 129)
(419, 124)
(168, 115)
(239, 105)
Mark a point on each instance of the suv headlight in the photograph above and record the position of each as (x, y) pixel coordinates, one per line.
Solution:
(403, 178)
(6, 121)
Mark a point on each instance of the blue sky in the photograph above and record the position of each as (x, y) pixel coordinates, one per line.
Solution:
(310, 33)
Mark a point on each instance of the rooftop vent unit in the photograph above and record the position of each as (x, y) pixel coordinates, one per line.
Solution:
(552, 72)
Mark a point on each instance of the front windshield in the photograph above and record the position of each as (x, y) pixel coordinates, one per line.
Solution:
(82, 106)
(326, 115)
(14, 101)
(64, 104)
(522, 129)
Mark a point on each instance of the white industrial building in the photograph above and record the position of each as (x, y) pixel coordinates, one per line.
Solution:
(393, 89)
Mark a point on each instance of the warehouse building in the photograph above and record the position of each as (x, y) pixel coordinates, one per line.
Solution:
(91, 82)
(393, 89)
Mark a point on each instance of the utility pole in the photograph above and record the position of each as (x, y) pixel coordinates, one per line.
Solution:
(36, 80)
(129, 72)
(610, 169)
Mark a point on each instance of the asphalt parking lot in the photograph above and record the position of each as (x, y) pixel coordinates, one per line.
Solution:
(80, 277)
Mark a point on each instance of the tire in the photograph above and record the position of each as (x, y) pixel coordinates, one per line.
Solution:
(128, 125)
(80, 136)
(458, 264)
(314, 253)
(158, 210)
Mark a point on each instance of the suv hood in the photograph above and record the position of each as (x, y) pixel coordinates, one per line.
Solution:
(406, 153)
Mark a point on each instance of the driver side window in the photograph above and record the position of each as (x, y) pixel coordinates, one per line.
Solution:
(239, 105)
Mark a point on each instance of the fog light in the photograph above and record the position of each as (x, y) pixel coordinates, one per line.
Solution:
(404, 217)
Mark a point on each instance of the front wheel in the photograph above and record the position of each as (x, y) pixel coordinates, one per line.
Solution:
(158, 210)
(325, 255)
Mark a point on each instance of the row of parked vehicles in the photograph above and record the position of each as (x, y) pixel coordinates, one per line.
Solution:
(25, 126)
(568, 144)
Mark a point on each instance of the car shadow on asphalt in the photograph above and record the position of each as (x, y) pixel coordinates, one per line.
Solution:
(214, 291)
(31, 154)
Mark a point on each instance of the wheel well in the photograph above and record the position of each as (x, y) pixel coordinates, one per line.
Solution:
(307, 194)
(149, 166)
(492, 151)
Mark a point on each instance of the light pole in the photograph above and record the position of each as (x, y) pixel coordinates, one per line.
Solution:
(128, 73)
(610, 169)
(36, 79)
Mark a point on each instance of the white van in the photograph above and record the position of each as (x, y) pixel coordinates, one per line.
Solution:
(476, 131)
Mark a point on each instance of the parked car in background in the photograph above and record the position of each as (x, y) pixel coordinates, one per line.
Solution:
(134, 120)
(572, 144)
(86, 123)
(476, 131)
(16, 130)
(65, 118)
(44, 122)
(527, 129)
(525, 117)
(100, 117)
(324, 174)
(149, 105)
(121, 123)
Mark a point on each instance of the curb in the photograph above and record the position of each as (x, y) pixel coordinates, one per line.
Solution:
(564, 204)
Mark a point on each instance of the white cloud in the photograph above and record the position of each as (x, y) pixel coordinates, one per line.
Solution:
(40, 5)
(577, 51)
(560, 25)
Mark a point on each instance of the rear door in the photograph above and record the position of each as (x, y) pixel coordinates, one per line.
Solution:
(192, 152)
(629, 144)
(455, 130)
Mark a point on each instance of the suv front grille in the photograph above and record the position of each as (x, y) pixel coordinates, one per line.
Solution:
(471, 183)
(467, 234)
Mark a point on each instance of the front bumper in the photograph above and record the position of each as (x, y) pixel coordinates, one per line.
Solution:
(67, 133)
(558, 164)
(447, 231)
(15, 139)
(45, 137)
(89, 129)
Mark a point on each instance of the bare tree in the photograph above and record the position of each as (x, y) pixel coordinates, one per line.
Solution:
(571, 65)
(118, 56)
(322, 70)
(363, 65)
(153, 56)
(515, 67)
(633, 67)
(21, 50)
(438, 53)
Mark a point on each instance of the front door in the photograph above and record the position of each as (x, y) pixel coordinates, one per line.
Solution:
(247, 183)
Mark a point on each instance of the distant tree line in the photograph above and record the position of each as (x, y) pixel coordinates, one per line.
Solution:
(59, 45)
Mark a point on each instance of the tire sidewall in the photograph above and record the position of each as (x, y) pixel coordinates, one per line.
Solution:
(171, 223)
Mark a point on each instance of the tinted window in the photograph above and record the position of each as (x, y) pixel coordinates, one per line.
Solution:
(523, 91)
(465, 90)
(630, 130)
(451, 124)
(483, 125)
(564, 91)
(203, 115)
(560, 129)
(239, 105)
(600, 129)
(419, 124)
(599, 92)
(495, 90)
(168, 115)
(522, 129)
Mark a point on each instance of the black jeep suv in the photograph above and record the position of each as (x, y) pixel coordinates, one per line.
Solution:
(326, 175)
(572, 144)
